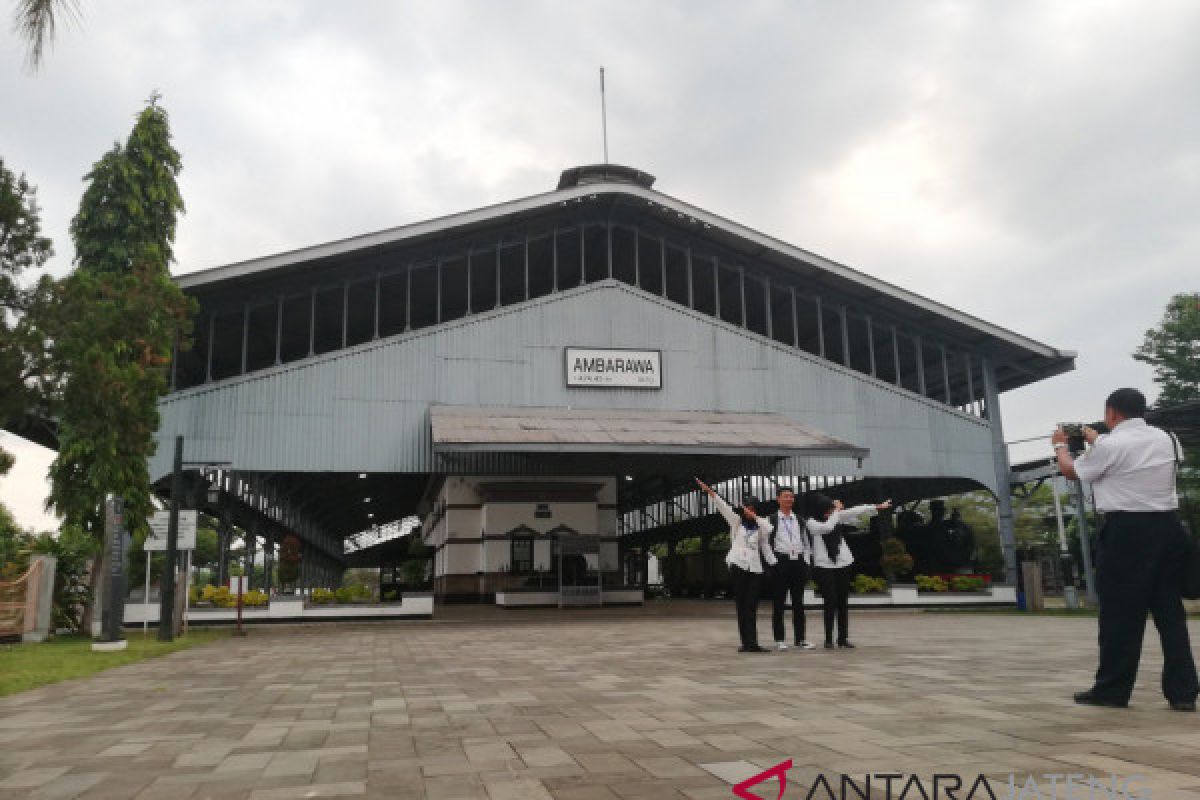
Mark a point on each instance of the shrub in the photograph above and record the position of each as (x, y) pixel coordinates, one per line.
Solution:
(390, 596)
(865, 584)
(355, 593)
(895, 561)
(219, 596)
(193, 594)
(967, 583)
(255, 597)
(322, 597)
(931, 583)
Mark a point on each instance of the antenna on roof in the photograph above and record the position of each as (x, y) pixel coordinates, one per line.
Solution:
(603, 115)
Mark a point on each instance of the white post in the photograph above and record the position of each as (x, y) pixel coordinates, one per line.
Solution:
(1069, 595)
(146, 599)
(187, 583)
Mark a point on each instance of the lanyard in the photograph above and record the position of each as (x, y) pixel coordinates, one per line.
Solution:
(790, 524)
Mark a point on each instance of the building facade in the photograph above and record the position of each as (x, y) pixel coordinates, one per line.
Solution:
(540, 380)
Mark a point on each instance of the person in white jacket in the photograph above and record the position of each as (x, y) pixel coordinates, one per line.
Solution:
(749, 546)
(832, 559)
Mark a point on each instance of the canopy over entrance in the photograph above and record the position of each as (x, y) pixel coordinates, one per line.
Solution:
(630, 440)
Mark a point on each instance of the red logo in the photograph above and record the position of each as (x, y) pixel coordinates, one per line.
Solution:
(777, 771)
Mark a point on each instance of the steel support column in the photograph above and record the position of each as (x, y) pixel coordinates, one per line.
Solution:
(1004, 511)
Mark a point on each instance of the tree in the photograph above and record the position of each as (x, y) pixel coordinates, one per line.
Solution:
(1173, 349)
(24, 366)
(120, 315)
(36, 22)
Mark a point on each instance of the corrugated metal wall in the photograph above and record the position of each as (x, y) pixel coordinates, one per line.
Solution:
(365, 409)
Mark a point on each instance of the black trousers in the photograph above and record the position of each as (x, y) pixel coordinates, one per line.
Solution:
(1139, 569)
(788, 576)
(746, 588)
(834, 584)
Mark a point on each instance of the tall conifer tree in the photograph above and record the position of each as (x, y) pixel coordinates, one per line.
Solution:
(121, 315)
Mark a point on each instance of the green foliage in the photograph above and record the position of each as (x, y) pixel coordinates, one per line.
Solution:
(193, 594)
(931, 583)
(1173, 349)
(219, 596)
(25, 666)
(25, 372)
(967, 583)
(322, 597)
(895, 560)
(865, 584)
(255, 598)
(36, 22)
(990, 559)
(129, 210)
(15, 546)
(414, 573)
(390, 596)
(206, 552)
(120, 315)
(73, 549)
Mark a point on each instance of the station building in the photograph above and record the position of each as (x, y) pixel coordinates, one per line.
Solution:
(540, 380)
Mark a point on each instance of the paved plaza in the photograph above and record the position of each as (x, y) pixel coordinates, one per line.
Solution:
(592, 705)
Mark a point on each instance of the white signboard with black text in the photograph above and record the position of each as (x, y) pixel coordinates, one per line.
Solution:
(616, 369)
(157, 540)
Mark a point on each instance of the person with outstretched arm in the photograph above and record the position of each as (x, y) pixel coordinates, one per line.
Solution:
(749, 547)
(832, 559)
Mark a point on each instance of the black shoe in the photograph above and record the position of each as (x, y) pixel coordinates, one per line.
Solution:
(845, 643)
(828, 645)
(1183, 705)
(754, 649)
(1089, 699)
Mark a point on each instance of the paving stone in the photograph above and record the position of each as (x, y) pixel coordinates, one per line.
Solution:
(597, 705)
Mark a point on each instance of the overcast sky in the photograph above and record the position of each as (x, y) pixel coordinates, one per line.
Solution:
(1035, 164)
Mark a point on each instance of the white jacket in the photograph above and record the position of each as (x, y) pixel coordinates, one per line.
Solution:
(747, 549)
(846, 516)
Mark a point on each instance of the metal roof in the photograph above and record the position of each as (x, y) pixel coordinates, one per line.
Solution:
(628, 431)
(1033, 358)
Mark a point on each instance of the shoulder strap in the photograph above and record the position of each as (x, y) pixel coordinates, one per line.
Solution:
(1181, 486)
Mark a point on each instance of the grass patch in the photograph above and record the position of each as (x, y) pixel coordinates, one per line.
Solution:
(27, 666)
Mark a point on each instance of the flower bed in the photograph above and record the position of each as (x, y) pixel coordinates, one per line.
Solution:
(953, 583)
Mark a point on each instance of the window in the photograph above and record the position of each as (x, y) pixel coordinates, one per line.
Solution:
(522, 556)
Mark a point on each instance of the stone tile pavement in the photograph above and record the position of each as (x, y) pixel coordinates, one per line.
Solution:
(592, 705)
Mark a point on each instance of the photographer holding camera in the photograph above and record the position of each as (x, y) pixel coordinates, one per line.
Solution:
(1142, 551)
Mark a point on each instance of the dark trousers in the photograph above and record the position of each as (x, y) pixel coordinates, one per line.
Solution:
(1140, 569)
(746, 588)
(788, 576)
(834, 584)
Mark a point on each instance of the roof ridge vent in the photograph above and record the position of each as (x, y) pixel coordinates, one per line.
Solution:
(603, 173)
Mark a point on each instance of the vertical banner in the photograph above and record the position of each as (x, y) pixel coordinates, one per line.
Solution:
(116, 536)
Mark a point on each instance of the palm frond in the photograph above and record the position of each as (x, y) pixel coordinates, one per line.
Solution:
(36, 22)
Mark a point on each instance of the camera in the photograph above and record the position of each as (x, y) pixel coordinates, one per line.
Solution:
(1076, 444)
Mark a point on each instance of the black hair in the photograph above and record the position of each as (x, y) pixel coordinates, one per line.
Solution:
(819, 506)
(1129, 403)
(781, 489)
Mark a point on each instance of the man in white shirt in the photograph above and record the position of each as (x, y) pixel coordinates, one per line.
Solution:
(790, 574)
(1142, 551)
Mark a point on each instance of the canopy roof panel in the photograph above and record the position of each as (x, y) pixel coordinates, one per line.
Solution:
(628, 431)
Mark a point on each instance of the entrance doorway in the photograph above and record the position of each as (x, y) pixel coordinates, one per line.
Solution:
(579, 582)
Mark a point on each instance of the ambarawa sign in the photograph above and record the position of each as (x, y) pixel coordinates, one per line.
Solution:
(616, 369)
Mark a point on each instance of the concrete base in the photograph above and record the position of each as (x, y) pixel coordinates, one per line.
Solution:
(110, 647)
